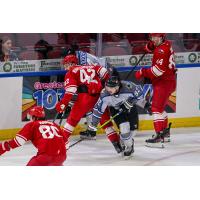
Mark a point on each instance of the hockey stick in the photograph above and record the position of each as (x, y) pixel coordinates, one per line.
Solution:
(135, 66)
(113, 117)
(56, 116)
(80, 140)
(61, 118)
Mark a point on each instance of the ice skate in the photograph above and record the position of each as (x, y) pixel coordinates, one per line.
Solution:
(128, 151)
(156, 141)
(166, 133)
(88, 135)
(118, 147)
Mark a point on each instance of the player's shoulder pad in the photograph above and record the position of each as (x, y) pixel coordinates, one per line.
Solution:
(133, 88)
(128, 85)
(164, 47)
(104, 94)
(29, 125)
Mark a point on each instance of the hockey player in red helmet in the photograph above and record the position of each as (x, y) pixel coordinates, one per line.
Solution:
(46, 136)
(36, 112)
(162, 74)
(69, 60)
(87, 82)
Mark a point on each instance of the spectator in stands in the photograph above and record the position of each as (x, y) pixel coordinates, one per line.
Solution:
(6, 53)
(42, 47)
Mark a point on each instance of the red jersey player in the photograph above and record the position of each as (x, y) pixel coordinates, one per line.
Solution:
(87, 82)
(46, 136)
(163, 77)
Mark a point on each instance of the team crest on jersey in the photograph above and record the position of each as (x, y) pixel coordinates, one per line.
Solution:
(161, 51)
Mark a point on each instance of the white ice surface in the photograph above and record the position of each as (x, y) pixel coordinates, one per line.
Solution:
(184, 149)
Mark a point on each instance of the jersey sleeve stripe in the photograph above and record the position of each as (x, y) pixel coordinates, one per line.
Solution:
(95, 109)
(17, 143)
(70, 86)
(71, 90)
(159, 69)
(21, 136)
(96, 116)
(156, 71)
(19, 140)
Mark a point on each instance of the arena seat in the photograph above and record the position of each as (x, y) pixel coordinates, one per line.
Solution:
(78, 38)
(114, 51)
(27, 39)
(136, 36)
(51, 38)
(30, 55)
(56, 53)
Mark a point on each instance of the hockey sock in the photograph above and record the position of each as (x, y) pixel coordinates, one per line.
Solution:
(112, 134)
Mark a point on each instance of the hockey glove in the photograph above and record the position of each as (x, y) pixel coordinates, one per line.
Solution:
(139, 74)
(60, 107)
(4, 146)
(127, 105)
(147, 108)
(150, 46)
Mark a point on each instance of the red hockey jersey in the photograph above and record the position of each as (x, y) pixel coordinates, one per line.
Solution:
(163, 64)
(46, 136)
(87, 78)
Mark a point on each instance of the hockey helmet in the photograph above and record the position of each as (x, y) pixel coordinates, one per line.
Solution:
(37, 111)
(113, 81)
(70, 59)
(71, 51)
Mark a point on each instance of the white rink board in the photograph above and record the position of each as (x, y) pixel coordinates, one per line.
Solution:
(187, 102)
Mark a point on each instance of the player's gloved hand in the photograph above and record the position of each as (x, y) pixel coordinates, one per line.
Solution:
(149, 47)
(126, 106)
(60, 107)
(147, 108)
(139, 74)
(4, 146)
(94, 87)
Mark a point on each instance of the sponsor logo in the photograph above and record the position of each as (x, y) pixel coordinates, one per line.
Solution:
(192, 57)
(7, 67)
(133, 60)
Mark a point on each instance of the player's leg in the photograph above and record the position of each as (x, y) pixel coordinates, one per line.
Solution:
(59, 160)
(126, 135)
(83, 104)
(112, 135)
(160, 97)
(40, 160)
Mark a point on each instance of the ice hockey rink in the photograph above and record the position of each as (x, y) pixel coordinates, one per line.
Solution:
(184, 149)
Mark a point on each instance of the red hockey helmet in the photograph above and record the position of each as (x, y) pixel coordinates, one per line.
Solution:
(37, 111)
(70, 59)
(157, 35)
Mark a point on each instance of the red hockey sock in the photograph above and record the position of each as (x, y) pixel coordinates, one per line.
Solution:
(165, 123)
(112, 134)
(158, 122)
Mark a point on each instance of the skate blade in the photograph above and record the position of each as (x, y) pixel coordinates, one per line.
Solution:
(159, 145)
(127, 157)
(166, 140)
